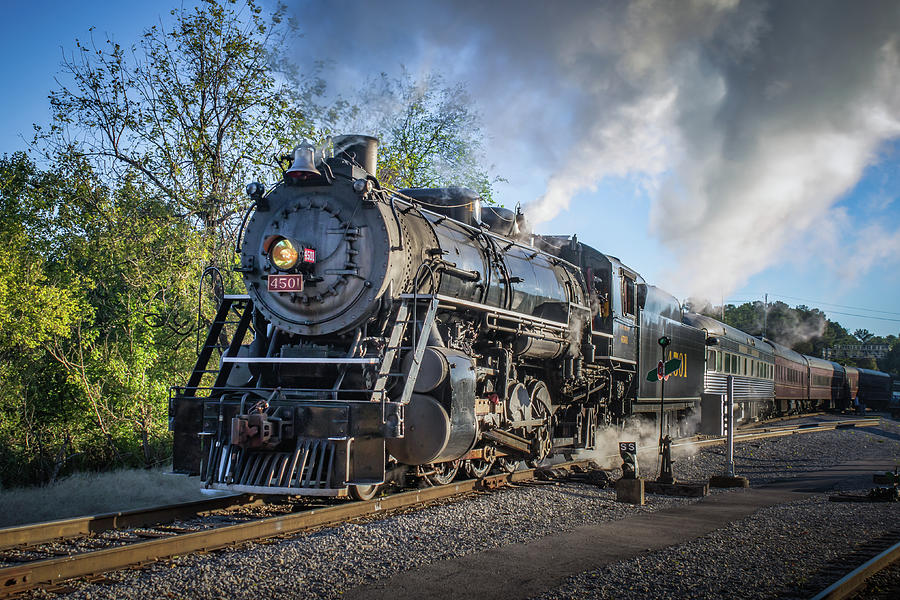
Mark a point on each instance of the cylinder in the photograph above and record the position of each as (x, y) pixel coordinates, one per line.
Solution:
(568, 368)
(427, 432)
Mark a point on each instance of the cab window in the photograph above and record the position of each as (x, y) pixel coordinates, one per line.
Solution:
(629, 305)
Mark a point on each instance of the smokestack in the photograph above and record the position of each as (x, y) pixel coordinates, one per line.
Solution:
(359, 149)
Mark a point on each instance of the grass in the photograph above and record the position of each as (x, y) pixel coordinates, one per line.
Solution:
(93, 493)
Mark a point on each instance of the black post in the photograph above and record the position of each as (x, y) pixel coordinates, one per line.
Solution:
(662, 402)
(663, 342)
(665, 442)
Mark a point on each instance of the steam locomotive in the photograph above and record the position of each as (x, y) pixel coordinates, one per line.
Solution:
(393, 335)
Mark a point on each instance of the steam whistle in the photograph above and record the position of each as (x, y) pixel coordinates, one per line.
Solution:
(628, 452)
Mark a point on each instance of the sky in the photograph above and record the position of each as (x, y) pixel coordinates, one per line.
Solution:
(724, 149)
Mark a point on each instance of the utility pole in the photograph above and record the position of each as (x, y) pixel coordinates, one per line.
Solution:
(766, 317)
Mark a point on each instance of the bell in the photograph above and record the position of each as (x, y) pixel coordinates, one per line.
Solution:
(304, 163)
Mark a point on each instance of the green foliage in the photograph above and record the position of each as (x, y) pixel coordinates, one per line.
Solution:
(801, 328)
(100, 283)
(863, 363)
(891, 363)
(32, 309)
(863, 335)
(142, 262)
(430, 137)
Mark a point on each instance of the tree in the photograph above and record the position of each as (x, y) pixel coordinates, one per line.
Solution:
(101, 284)
(863, 335)
(36, 307)
(891, 363)
(747, 317)
(196, 110)
(429, 135)
(142, 263)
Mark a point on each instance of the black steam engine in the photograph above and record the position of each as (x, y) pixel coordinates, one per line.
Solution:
(394, 334)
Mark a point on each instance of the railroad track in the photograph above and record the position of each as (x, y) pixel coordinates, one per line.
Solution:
(852, 582)
(760, 433)
(31, 535)
(50, 572)
(765, 422)
(137, 546)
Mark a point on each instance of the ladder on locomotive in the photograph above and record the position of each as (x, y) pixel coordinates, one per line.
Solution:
(236, 310)
(406, 319)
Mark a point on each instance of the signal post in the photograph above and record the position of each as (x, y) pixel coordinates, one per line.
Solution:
(666, 483)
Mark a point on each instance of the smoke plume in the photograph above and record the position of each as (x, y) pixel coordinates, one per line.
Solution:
(744, 121)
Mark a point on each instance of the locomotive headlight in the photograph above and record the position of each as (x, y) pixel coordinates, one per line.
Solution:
(284, 255)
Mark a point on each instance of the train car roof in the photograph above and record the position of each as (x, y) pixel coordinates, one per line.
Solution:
(820, 363)
(786, 353)
(873, 373)
(719, 329)
(658, 300)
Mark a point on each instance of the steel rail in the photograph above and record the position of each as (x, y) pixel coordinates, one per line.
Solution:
(773, 432)
(852, 581)
(39, 533)
(17, 579)
(763, 423)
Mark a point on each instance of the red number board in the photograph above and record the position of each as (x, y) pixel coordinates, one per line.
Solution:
(285, 283)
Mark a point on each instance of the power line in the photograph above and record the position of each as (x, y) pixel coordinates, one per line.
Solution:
(887, 312)
(834, 312)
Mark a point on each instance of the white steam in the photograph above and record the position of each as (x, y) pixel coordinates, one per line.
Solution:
(646, 433)
(744, 121)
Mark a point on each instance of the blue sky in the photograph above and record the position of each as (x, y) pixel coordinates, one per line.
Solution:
(825, 262)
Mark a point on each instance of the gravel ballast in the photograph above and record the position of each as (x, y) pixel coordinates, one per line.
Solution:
(770, 553)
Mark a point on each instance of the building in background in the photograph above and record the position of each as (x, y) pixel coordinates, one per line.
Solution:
(856, 351)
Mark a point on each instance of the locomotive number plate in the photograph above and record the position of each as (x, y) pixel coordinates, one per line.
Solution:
(285, 283)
